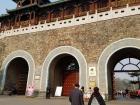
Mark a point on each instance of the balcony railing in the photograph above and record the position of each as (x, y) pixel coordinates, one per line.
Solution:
(122, 3)
(68, 16)
(24, 23)
(103, 9)
(82, 13)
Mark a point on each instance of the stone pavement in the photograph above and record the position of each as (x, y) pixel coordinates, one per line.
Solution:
(22, 100)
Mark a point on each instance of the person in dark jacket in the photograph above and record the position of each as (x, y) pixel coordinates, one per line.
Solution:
(48, 92)
(82, 89)
(76, 96)
(96, 94)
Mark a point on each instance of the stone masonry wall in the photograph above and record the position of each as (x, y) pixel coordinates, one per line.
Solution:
(91, 39)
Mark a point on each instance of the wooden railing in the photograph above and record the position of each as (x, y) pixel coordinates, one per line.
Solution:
(42, 21)
(103, 9)
(5, 28)
(82, 13)
(68, 16)
(134, 2)
(25, 23)
(122, 3)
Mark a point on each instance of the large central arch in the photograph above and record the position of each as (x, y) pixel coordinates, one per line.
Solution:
(64, 50)
(63, 71)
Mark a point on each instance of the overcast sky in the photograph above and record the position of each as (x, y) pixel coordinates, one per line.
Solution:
(9, 4)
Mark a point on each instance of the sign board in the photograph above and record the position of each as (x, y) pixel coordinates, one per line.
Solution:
(92, 84)
(58, 91)
(92, 71)
(37, 77)
(91, 78)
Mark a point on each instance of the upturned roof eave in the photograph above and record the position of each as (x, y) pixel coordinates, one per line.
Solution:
(21, 8)
(40, 6)
(27, 6)
(4, 16)
(16, 1)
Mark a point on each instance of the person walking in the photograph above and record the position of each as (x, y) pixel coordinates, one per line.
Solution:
(89, 92)
(96, 98)
(48, 92)
(83, 90)
(76, 96)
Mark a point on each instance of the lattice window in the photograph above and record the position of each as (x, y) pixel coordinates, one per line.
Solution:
(128, 64)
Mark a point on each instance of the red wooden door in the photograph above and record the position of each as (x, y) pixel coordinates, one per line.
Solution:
(70, 78)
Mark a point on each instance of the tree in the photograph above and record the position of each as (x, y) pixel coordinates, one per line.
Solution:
(121, 84)
(135, 74)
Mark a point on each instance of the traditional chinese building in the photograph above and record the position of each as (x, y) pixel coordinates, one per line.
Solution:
(50, 44)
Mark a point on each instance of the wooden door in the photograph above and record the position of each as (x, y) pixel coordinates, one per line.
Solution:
(70, 78)
(21, 83)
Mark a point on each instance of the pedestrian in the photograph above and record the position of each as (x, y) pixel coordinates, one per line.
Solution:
(89, 92)
(138, 94)
(96, 98)
(126, 92)
(48, 92)
(76, 96)
(82, 89)
(30, 91)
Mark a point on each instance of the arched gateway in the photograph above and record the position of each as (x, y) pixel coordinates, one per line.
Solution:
(18, 69)
(123, 62)
(121, 56)
(64, 66)
(16, 75)
(64, 71)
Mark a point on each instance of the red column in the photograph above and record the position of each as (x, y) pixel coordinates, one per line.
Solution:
(62, 13)
(92, 7)
(77, 10)
(34, 17)
(96, 5)
(109, 3)
(30, 18)
(49, 16)
(15, 19)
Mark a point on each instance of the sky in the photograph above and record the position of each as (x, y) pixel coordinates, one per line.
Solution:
(6, 4)
(9, 4)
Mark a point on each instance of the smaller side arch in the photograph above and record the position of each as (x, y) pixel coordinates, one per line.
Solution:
(13, 55)
(105, 56)
(64, 50)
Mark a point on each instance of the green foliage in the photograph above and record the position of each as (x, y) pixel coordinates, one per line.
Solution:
(121, 84)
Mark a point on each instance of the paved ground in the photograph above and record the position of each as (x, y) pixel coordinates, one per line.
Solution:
(22, 100)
